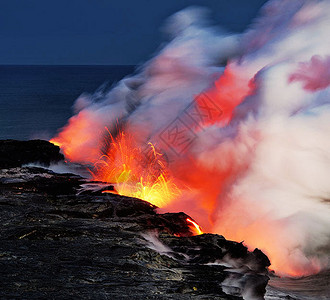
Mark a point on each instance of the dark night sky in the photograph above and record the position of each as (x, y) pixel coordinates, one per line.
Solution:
(99, 31)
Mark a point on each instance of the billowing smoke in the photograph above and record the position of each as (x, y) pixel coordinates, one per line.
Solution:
(158, 93)
(244, 122)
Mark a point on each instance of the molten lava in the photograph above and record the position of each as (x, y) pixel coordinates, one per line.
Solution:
(195, 228)
(136, 173)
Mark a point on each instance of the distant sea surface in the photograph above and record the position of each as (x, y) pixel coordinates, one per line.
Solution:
(35, 101)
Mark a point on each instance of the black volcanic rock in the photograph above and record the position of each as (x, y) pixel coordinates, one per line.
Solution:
(15, 153)
(59, 242)
(55, 243)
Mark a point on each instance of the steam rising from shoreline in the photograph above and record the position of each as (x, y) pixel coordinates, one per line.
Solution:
(257, 171)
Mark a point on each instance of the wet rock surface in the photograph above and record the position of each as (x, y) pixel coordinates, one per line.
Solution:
(58, 244)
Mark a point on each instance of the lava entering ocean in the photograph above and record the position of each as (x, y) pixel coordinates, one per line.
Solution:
(243, 148)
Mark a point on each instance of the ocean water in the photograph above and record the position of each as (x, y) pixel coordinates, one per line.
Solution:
(313, 287)
(35, 101)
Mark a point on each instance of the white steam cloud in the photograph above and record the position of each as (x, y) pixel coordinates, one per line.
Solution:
(268, 161)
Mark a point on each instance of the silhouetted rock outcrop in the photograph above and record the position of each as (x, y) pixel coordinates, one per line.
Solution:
(17, 153)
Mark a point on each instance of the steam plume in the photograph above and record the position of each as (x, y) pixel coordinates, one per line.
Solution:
(258, 164)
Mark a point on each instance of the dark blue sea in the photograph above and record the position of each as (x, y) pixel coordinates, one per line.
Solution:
(35, 101)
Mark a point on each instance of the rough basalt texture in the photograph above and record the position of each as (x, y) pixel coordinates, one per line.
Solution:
(57, 244)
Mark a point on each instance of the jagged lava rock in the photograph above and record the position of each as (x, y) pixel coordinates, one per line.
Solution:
(57, 243)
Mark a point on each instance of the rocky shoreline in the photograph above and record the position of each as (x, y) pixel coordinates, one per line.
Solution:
(60, 244)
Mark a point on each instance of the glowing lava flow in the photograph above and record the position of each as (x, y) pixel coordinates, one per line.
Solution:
(136, 173)
(195, 228)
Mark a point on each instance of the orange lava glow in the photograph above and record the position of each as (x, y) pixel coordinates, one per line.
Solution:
(136, 173)
(143, 173)
(228, 92)
(278, 254)
(53, 141)
(196, 229)
(276, 238)
(75, 136)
